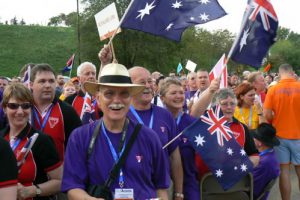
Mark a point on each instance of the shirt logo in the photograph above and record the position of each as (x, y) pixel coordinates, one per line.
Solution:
(53, 121)
(139, 158)
(162, 128)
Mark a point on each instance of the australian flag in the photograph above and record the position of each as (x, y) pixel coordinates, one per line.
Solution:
(22, 155)
(87, 112)
(214, 141)
(257, 34)
(69, 64)
(169, 18)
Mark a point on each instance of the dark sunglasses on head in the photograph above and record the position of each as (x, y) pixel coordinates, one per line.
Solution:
(15, 106)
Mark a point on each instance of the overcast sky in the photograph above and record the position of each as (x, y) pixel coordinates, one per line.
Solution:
(39, 11)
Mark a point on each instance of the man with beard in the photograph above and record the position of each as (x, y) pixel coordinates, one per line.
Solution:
(49, 114)
(159, 120)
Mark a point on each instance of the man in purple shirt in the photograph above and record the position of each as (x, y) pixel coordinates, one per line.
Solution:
(158, 119)
(144, 172)
(268, 166)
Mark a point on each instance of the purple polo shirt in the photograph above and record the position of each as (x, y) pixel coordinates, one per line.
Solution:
(191, 188)
(163, 124)
(267, 169)
(145, 168)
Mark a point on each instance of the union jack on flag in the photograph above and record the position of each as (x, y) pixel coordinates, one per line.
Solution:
(87, 110)
(226, 159)
(265, 9)
(217, 125)
(69, 64)
(22, 155)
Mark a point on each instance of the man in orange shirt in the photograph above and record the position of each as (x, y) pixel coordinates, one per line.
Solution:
(281, 108)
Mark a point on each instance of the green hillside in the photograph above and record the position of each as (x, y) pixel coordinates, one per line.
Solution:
(34, 44)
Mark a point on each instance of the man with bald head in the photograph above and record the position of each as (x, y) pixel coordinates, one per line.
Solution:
(158, 119)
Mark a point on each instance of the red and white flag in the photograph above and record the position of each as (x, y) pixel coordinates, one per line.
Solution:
(220, 69)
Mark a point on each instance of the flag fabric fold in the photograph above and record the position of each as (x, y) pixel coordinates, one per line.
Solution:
(220, 70)
(87, 110)
(170, 18)
(257, 34)
(26, 79)
(69, 64)
(211, 137)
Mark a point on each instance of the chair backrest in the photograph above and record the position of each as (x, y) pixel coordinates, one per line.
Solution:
(267, 188)
(212, 190)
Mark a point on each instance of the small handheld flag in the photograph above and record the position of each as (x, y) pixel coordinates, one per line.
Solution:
(179, 68)
(220, 70)
(22, 155)
(69, 64)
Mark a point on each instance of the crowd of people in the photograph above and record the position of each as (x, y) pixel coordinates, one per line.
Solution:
(50, 152)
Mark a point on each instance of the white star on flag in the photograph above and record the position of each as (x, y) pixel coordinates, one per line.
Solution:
(229, 151)
(235, 168)
(244, 39)
(199, 140)
(177, 4)
(204, 1)
(219, 173)
(204, 17)
(243, 152)
(244, 167)
(192, 18)
(169, 26)
(146, 10)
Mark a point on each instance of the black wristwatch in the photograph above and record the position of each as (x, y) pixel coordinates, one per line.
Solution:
(38, 190)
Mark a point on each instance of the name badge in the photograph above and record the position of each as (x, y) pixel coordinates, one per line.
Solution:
(124, 194)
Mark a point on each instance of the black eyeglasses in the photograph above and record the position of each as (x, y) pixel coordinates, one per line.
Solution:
(15, 106)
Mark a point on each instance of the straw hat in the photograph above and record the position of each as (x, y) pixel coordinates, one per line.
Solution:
(266, 133)
(113, 75)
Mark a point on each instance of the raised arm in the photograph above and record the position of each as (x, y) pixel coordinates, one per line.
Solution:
(199, 107)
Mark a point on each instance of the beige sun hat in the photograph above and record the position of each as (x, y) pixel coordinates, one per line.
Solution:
(113, 75)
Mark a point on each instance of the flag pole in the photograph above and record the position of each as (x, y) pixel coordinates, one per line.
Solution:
(121, 21)
(171, 141)
(240, 33)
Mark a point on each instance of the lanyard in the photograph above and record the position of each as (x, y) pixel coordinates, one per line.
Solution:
(15, 144)
(179, 118)
(136, 115)
(250, 117)
(116, 156)
(265, 152)
(36, 116)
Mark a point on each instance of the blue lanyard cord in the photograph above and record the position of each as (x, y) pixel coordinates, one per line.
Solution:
(16, 144)
(265, 152)
(136, 115)
(116, 156)
(36, 116)
(179, 118)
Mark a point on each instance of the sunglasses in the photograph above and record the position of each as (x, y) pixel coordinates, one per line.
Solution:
(15, 106)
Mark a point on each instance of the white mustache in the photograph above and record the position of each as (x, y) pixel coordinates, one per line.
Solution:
(116, 106)
(147, 90)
